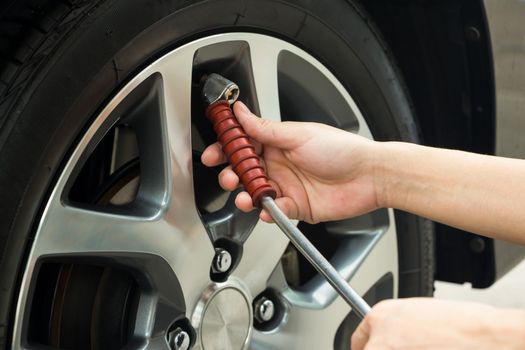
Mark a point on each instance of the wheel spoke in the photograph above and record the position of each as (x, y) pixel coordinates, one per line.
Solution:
(69, 230)
(322, 306)
(364, 225)
(317, 329)
(264, 56)
(157, 343)
(182, 215)
(261, 254)
(362, 253)
(177, 98)
(229, 222)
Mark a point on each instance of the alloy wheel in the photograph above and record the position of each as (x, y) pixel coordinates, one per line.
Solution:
(156, 218)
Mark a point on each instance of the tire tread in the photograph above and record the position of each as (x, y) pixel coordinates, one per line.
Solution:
(25, 27)
(30, 31)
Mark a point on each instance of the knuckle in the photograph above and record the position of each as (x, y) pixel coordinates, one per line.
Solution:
(383, 306)
(266, 126)
(264, 123)
(376, 318)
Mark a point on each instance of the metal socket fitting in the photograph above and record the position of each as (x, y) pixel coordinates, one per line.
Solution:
(264, 310)
(217, 88)
(222, 261)
(179, 339)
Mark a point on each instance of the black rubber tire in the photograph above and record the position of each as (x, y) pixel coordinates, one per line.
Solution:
(61, 60)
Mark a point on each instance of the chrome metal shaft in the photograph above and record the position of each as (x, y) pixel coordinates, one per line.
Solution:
(317, 260)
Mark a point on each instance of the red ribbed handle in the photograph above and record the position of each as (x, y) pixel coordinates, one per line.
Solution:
(239, 151)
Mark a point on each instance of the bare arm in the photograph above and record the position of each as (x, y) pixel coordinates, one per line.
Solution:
(478, 193)
(322, 173)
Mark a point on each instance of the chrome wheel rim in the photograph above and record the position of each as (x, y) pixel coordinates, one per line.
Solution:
(165, 228)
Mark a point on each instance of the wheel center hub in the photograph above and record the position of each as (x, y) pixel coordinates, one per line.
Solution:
(223, 317)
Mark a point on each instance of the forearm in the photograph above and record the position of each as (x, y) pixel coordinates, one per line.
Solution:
(477, 193)
(506, 327)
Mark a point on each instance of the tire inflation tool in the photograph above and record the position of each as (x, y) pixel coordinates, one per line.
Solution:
(219, 94)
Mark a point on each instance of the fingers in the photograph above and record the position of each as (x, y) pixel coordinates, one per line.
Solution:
(213, 155)
(243, 201)
(266, 131)
(360, 336)
(287, 205)
(228, 179)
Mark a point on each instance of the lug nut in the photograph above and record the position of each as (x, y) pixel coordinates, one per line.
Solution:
(264, 310)
(178, 339)
(222, 260)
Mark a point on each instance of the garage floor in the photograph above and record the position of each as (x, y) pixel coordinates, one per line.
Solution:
(509, 291)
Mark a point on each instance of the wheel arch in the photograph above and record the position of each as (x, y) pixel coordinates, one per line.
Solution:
(443, 51)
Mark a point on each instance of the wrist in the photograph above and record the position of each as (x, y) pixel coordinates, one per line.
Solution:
(393, 167)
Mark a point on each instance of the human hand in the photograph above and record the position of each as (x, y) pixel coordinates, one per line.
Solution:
(425, 323)
(320, 173)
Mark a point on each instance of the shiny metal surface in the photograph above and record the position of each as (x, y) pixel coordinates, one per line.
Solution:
(222, 261)
(264, 309)
(507, 32)
(175, 234)
(179, 339)
(218, 88)
(226, 323)
(223, 317)
(318, 261)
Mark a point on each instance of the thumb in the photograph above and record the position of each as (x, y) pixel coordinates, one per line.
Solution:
(266, 131)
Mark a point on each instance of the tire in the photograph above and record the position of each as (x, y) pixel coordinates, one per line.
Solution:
(62, 61)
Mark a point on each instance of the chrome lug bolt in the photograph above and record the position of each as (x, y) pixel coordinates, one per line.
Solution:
(264, 310)
(222, 260)
(179, 339)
